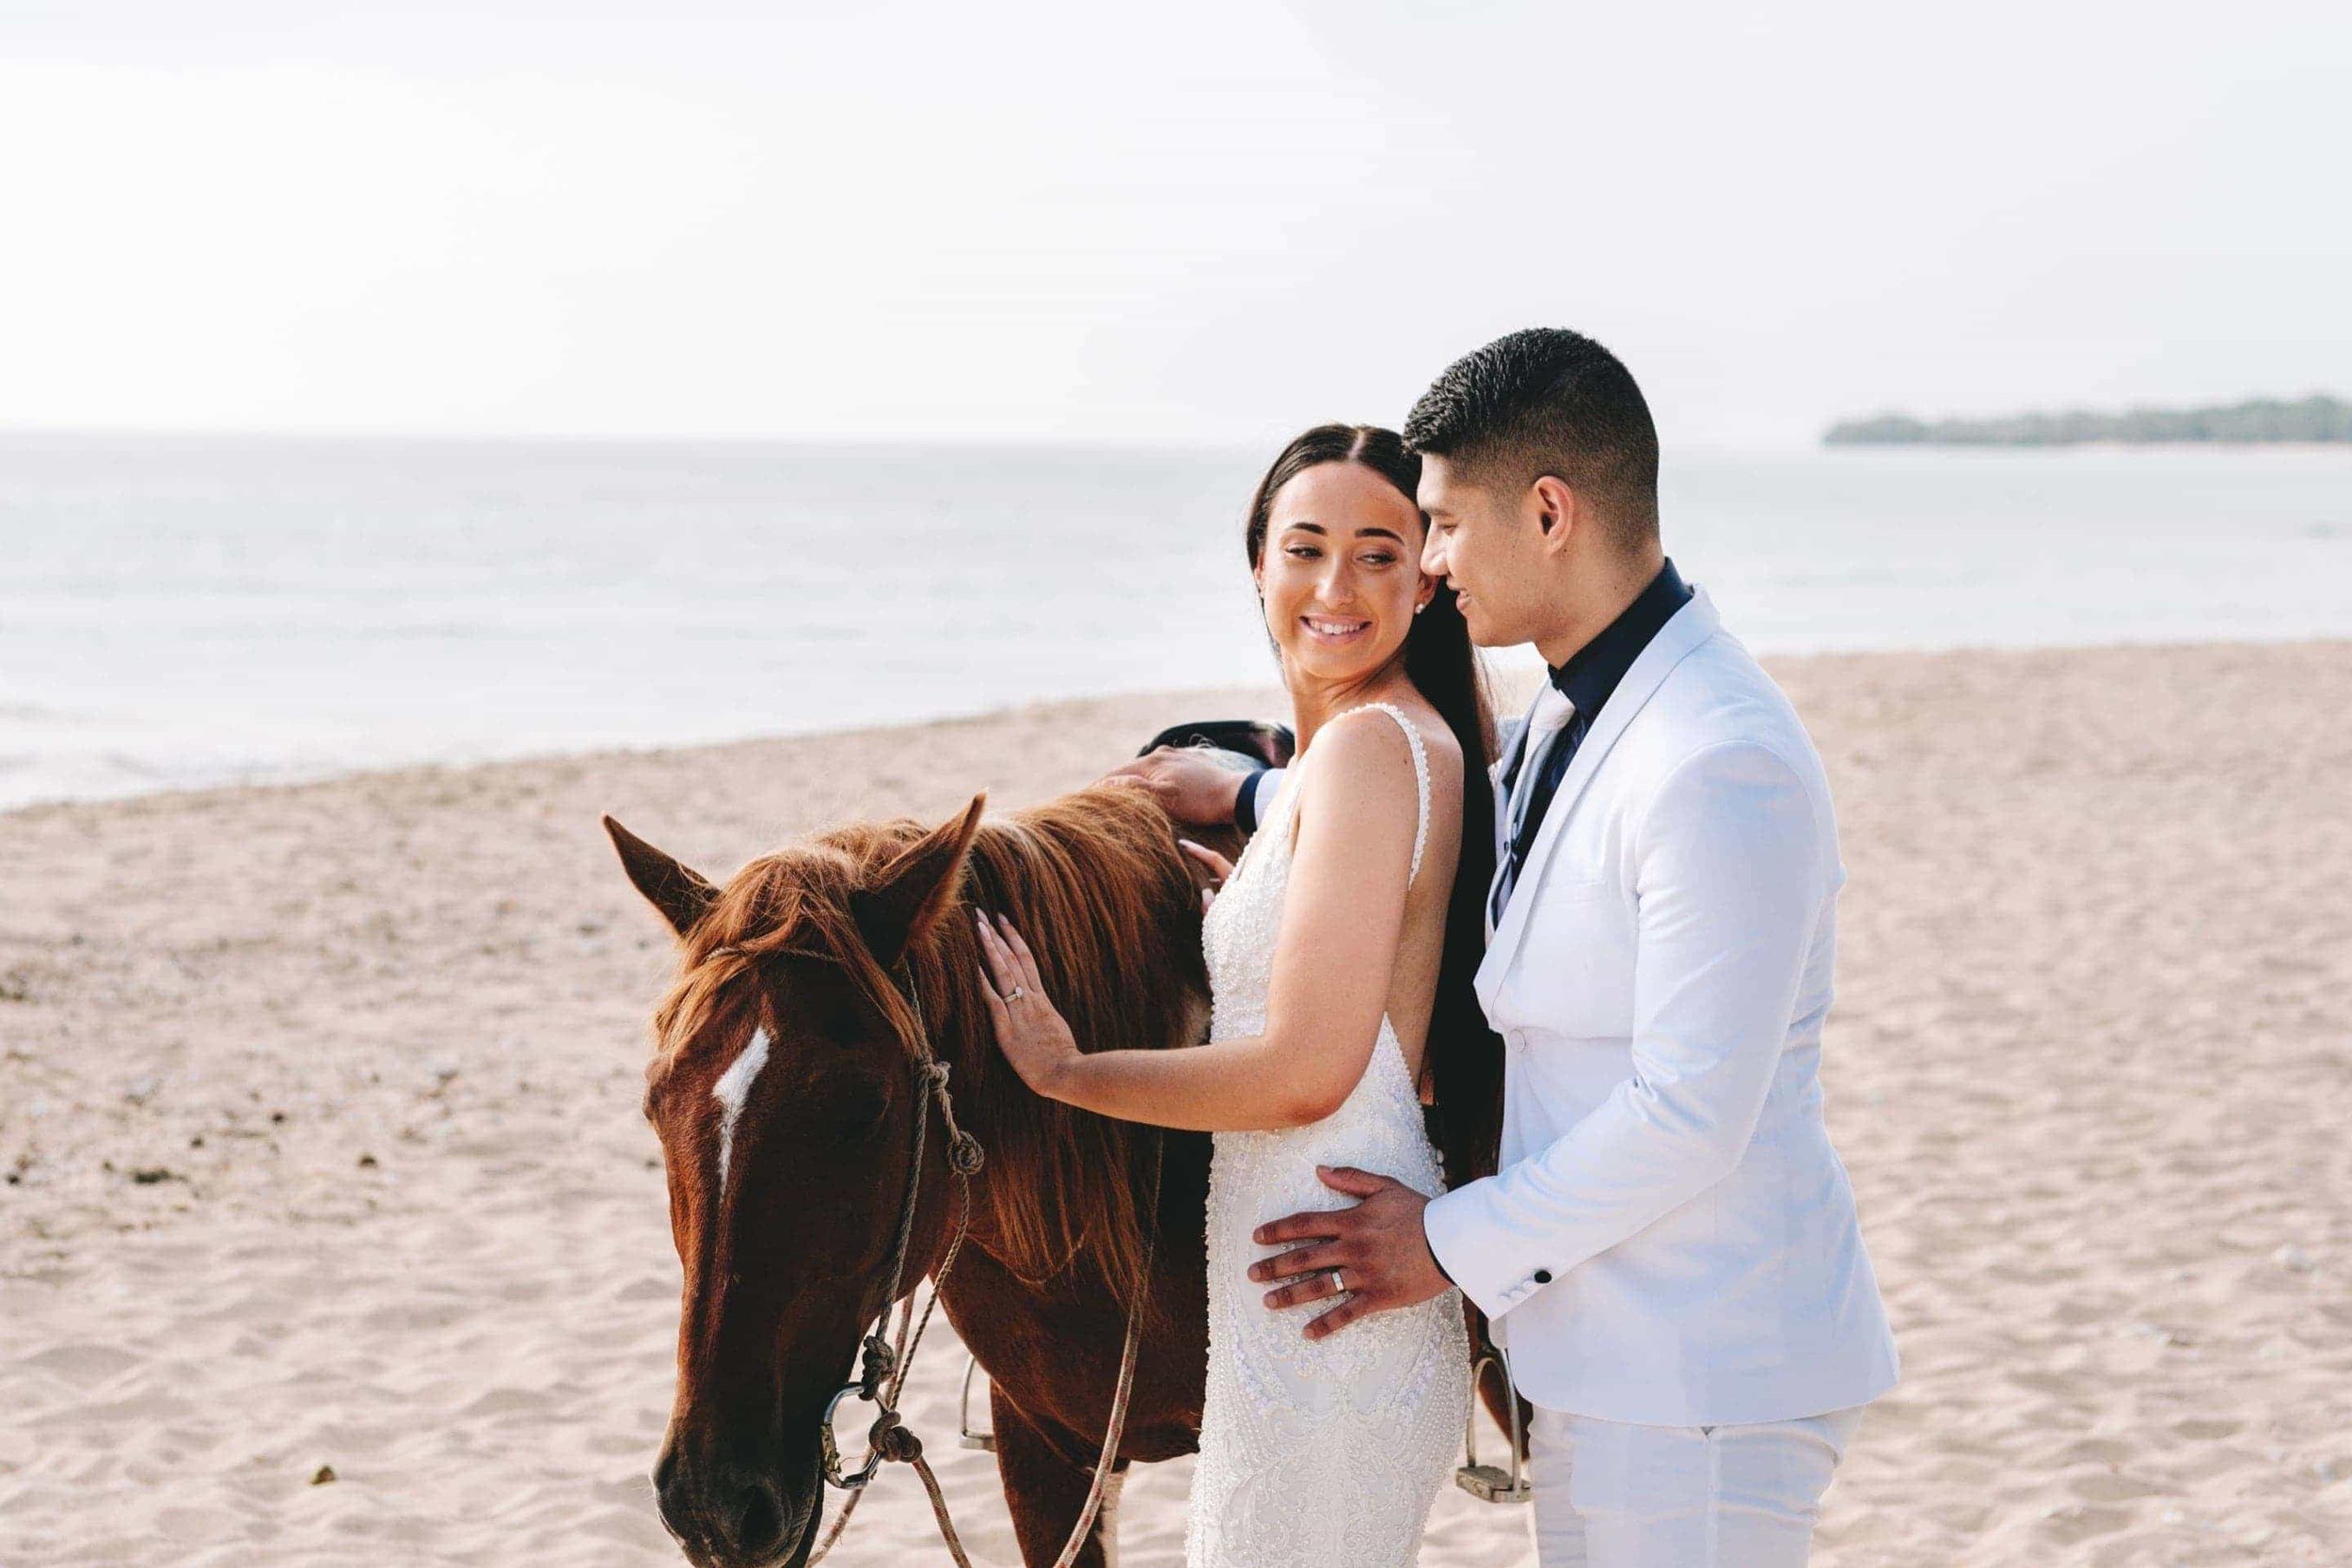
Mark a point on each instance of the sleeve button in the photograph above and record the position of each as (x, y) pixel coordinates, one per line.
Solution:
(1543, 1277)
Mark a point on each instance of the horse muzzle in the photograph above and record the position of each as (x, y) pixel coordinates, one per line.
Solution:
(729, 1513)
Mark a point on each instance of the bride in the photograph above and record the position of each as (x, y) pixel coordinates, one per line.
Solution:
(1340, 951)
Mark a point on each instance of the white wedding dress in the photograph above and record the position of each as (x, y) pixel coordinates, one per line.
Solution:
(1314, 1453)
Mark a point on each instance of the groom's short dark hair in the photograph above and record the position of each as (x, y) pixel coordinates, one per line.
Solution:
(1547, 401)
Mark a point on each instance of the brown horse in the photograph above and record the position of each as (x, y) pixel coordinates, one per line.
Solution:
(784, 1092)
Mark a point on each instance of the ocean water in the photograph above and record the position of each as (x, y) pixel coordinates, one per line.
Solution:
(179, 611)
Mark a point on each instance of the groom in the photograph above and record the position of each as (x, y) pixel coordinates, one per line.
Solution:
(1668, 1252)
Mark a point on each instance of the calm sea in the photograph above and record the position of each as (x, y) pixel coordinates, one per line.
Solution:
(182, 611)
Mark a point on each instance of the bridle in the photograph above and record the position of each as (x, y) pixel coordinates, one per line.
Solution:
(884, 1361)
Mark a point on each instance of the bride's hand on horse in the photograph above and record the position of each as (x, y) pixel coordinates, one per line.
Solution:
(1031, 1031)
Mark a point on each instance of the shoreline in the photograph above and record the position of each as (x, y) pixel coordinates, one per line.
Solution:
(1509, 674)
(422, 767)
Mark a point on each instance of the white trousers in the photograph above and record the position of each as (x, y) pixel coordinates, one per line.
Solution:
(1613, 1496)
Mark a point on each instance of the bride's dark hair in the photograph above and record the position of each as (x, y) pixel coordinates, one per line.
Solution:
(1465, 1056)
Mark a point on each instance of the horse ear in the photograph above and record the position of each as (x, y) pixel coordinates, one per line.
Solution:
(909, 892)
(675, 889)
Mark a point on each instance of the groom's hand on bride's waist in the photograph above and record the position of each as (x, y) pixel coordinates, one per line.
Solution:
(1370, 1258)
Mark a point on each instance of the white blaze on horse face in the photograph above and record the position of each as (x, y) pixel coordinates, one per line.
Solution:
(732, 1089)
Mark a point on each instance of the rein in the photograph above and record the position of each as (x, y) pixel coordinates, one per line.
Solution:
(889, 1437)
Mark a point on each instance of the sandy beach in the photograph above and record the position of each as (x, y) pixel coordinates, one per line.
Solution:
(319, 1128)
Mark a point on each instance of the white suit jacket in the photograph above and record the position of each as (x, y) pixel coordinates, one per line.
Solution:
(1670, 1239)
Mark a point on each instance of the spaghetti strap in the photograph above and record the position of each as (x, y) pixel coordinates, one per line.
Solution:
(1420, 777)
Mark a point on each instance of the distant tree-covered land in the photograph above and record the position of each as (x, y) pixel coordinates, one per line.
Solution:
(2311, 419)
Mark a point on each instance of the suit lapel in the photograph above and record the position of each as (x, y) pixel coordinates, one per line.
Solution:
(1692, 626)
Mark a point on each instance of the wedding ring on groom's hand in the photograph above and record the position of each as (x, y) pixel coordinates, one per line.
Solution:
(1339, 1286)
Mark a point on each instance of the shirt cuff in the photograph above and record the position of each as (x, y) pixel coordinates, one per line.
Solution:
(1246, 800)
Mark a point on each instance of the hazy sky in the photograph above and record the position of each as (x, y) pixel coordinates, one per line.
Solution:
(1216, 221)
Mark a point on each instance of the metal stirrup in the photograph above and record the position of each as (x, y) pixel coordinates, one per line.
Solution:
(1491, 1483)
(965, 1437)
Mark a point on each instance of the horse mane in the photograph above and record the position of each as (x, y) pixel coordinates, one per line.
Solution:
(1094, 881)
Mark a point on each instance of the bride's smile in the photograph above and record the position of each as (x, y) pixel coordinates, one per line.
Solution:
(1333, 630)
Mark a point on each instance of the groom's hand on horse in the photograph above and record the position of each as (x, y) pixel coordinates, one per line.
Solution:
(1194, 784)
(1377, 1246)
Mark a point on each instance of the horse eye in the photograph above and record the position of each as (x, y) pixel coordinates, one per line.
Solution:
(859, 1112)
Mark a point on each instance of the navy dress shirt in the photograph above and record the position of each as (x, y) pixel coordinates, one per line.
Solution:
(1586, 680)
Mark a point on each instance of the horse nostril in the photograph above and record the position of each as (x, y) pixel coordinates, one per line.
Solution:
(665, 1472)
(760, 1522)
